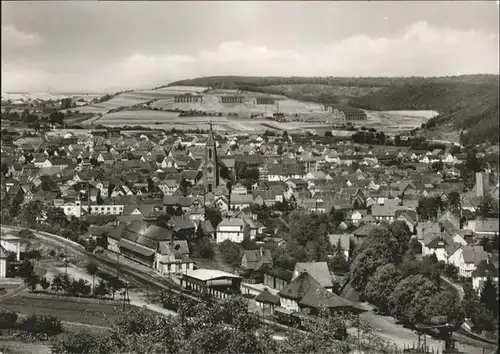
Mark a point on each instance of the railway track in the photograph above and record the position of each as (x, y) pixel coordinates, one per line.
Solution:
(129, 273)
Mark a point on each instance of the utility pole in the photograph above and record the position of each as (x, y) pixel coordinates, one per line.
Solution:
(65, 259)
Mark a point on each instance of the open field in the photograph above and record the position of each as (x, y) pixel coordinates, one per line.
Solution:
(169, 120)
(390, 122)
(394, 122)
(92, 314)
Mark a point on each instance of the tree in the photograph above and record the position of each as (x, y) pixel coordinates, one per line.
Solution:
(214, 216)
(47, 325)
(427, 208)
(185, 186)
(454, 203)
(381, 285)
(403, 297)
(380, 248)
(34, 254)
(44, 283)
(91, 268)
(8, 319)
(203, 248)
(101, 289)
(231, 253)
(444, 303)
(489, 296)
(115, 284)
(338, 263)
(25, 269)
(437, 166)
(79, 287)
(163, 219)
(248, 244)
(65, 283)
(56, 216)
(488, 206)
(56, 118)
(32, 211)
(57, 283)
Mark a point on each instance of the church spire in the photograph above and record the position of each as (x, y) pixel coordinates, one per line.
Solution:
(211, 139)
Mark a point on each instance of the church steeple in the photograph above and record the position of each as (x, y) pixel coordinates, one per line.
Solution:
(211, 140)
(211, 166)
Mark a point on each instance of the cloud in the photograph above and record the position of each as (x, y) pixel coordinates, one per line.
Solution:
(12, 36)
(418, 50)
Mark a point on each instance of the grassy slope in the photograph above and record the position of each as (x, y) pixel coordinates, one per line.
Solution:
(467, 102)
(92, 314)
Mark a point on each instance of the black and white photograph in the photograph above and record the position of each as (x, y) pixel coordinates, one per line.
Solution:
(249, 177)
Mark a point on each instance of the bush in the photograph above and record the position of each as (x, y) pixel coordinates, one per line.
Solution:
(8, 319)
(36, 325)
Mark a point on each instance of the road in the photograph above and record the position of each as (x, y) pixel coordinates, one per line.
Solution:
(387, 328)
(458, 289)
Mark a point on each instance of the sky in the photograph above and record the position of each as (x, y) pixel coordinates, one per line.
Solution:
(87, 46)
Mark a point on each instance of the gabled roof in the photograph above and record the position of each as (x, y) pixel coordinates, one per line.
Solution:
(318, 270)
(487, 225)
(364, 230)
(267, 297)
(485, 269)
(299, 287)
(474, 254)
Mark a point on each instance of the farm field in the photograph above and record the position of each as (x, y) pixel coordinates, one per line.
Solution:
(92, 314)
(394, 122)
(169, 120)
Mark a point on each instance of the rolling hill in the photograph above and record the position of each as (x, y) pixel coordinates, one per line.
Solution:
(467, 103)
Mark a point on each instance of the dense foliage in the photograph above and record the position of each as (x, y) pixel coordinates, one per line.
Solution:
(211, 326)
(386, 273)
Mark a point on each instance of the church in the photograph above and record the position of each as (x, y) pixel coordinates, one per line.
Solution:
(213, 183)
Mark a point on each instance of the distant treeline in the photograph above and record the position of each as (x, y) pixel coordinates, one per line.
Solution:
(237, 82)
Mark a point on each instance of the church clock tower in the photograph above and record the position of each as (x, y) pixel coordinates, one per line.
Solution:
(211, 168)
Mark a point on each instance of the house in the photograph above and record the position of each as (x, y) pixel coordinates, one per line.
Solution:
(467, 258)
(183, 227)
(255, 259)
(385, 209)
(240, 201)
(484, 270)
(439, 244)
(363, 231)
(318, 270)
(409, 217)
(172, 258)
(425, 227)
(232, 229)
(487, 227)
(306, 292)
(10, 242)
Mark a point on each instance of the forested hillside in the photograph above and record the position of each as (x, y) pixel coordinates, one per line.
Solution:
(469, 102)
(468, 106)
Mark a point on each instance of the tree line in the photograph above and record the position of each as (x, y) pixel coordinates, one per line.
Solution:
(212, 326)
(385, 272)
